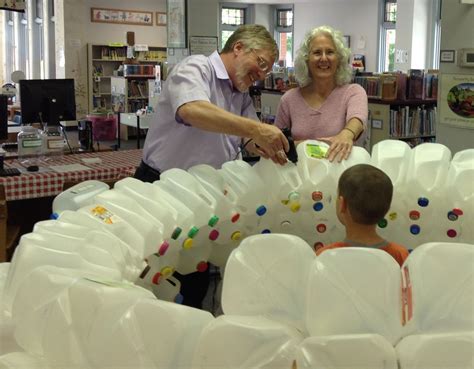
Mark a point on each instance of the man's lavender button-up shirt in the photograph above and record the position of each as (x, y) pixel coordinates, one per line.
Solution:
(174, 144)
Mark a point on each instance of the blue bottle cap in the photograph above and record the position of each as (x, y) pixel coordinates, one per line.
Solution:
(415, 229)
(261, 210)
(179, 298)
(423, 202)
(266, 231)
(318, 206)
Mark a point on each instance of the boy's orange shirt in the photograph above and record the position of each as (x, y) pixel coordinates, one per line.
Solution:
(398, 252)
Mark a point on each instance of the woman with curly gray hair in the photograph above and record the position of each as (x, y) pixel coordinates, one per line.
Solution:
(325, 106)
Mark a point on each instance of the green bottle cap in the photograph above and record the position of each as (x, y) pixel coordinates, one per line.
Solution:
(213, 221)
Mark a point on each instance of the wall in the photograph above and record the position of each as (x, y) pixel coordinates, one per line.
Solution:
(357, 18)
(414, 33)
(2, 80)
(456, 32)
(264, 15)
(203, 17)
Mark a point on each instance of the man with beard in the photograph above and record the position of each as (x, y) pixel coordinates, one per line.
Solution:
(205, 112)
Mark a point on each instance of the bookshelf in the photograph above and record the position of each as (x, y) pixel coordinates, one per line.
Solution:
(103, 63)
(413, 121)
(129, 94)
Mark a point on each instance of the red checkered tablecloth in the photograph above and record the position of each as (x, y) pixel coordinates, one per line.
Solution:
(46, 182)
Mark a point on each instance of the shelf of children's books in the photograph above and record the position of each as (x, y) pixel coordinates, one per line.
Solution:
(109, 60)
(410, 137)
(403, 102)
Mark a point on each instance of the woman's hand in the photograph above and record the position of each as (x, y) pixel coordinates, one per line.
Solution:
(340, 145)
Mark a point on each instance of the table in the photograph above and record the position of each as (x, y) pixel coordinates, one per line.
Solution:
(47, 182)
(133, 120)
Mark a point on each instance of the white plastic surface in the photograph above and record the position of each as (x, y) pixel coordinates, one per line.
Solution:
(267, 275)
(22, 360)
(78, 195)
(441, 279)
(242, 180)
(238, 342)
(443, 350)
(29, 255)
(393, 157)
(148, 334)
(318, 222)
(151, 229)
(426, 177)
(354, 290)
(282, 184)
(457, 209)
(355, 351)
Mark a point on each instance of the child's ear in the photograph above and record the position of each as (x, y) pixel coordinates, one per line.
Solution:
(342, 203)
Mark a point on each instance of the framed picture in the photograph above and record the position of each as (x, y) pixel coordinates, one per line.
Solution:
(347, 41)
(122, 16)
(160, 18)
(176, 25)
(447, 56)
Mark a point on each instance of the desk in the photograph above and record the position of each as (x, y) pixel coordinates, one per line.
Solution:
(47, 182)
(135, 121)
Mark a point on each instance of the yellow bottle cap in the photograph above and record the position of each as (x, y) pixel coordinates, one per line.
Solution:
(187, 243)
(295, 207)
(236, 236)
(166, 271)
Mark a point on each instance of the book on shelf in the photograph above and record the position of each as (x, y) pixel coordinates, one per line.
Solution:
(409, 121)
(416, 84)
(389, 86)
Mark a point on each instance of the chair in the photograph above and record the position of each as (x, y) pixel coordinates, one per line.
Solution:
(8, 233)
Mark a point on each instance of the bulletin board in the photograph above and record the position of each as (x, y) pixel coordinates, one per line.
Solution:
(202, 45)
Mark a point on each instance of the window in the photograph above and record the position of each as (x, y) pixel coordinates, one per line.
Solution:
(284, 35)
(231, 19)
(28, 40)
(388, 16)
(388, 36)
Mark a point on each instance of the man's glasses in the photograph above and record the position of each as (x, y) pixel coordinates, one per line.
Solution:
(262, 63)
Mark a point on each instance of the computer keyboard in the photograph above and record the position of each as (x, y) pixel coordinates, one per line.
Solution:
(7, 172)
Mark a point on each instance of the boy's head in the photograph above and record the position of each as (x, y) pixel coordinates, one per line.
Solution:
(365, 192)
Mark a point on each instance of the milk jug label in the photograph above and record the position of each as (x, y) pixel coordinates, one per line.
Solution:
(316, 151)
(105, 215)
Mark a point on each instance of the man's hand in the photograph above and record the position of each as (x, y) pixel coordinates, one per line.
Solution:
(340, 145)
(271, 140)
(254, 150)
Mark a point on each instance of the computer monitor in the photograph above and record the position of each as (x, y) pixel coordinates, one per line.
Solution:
(3, 117)
(47, 101)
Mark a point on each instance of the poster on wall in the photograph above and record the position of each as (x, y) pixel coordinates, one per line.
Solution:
(202, 45)
(456, 104)
(14, 5)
